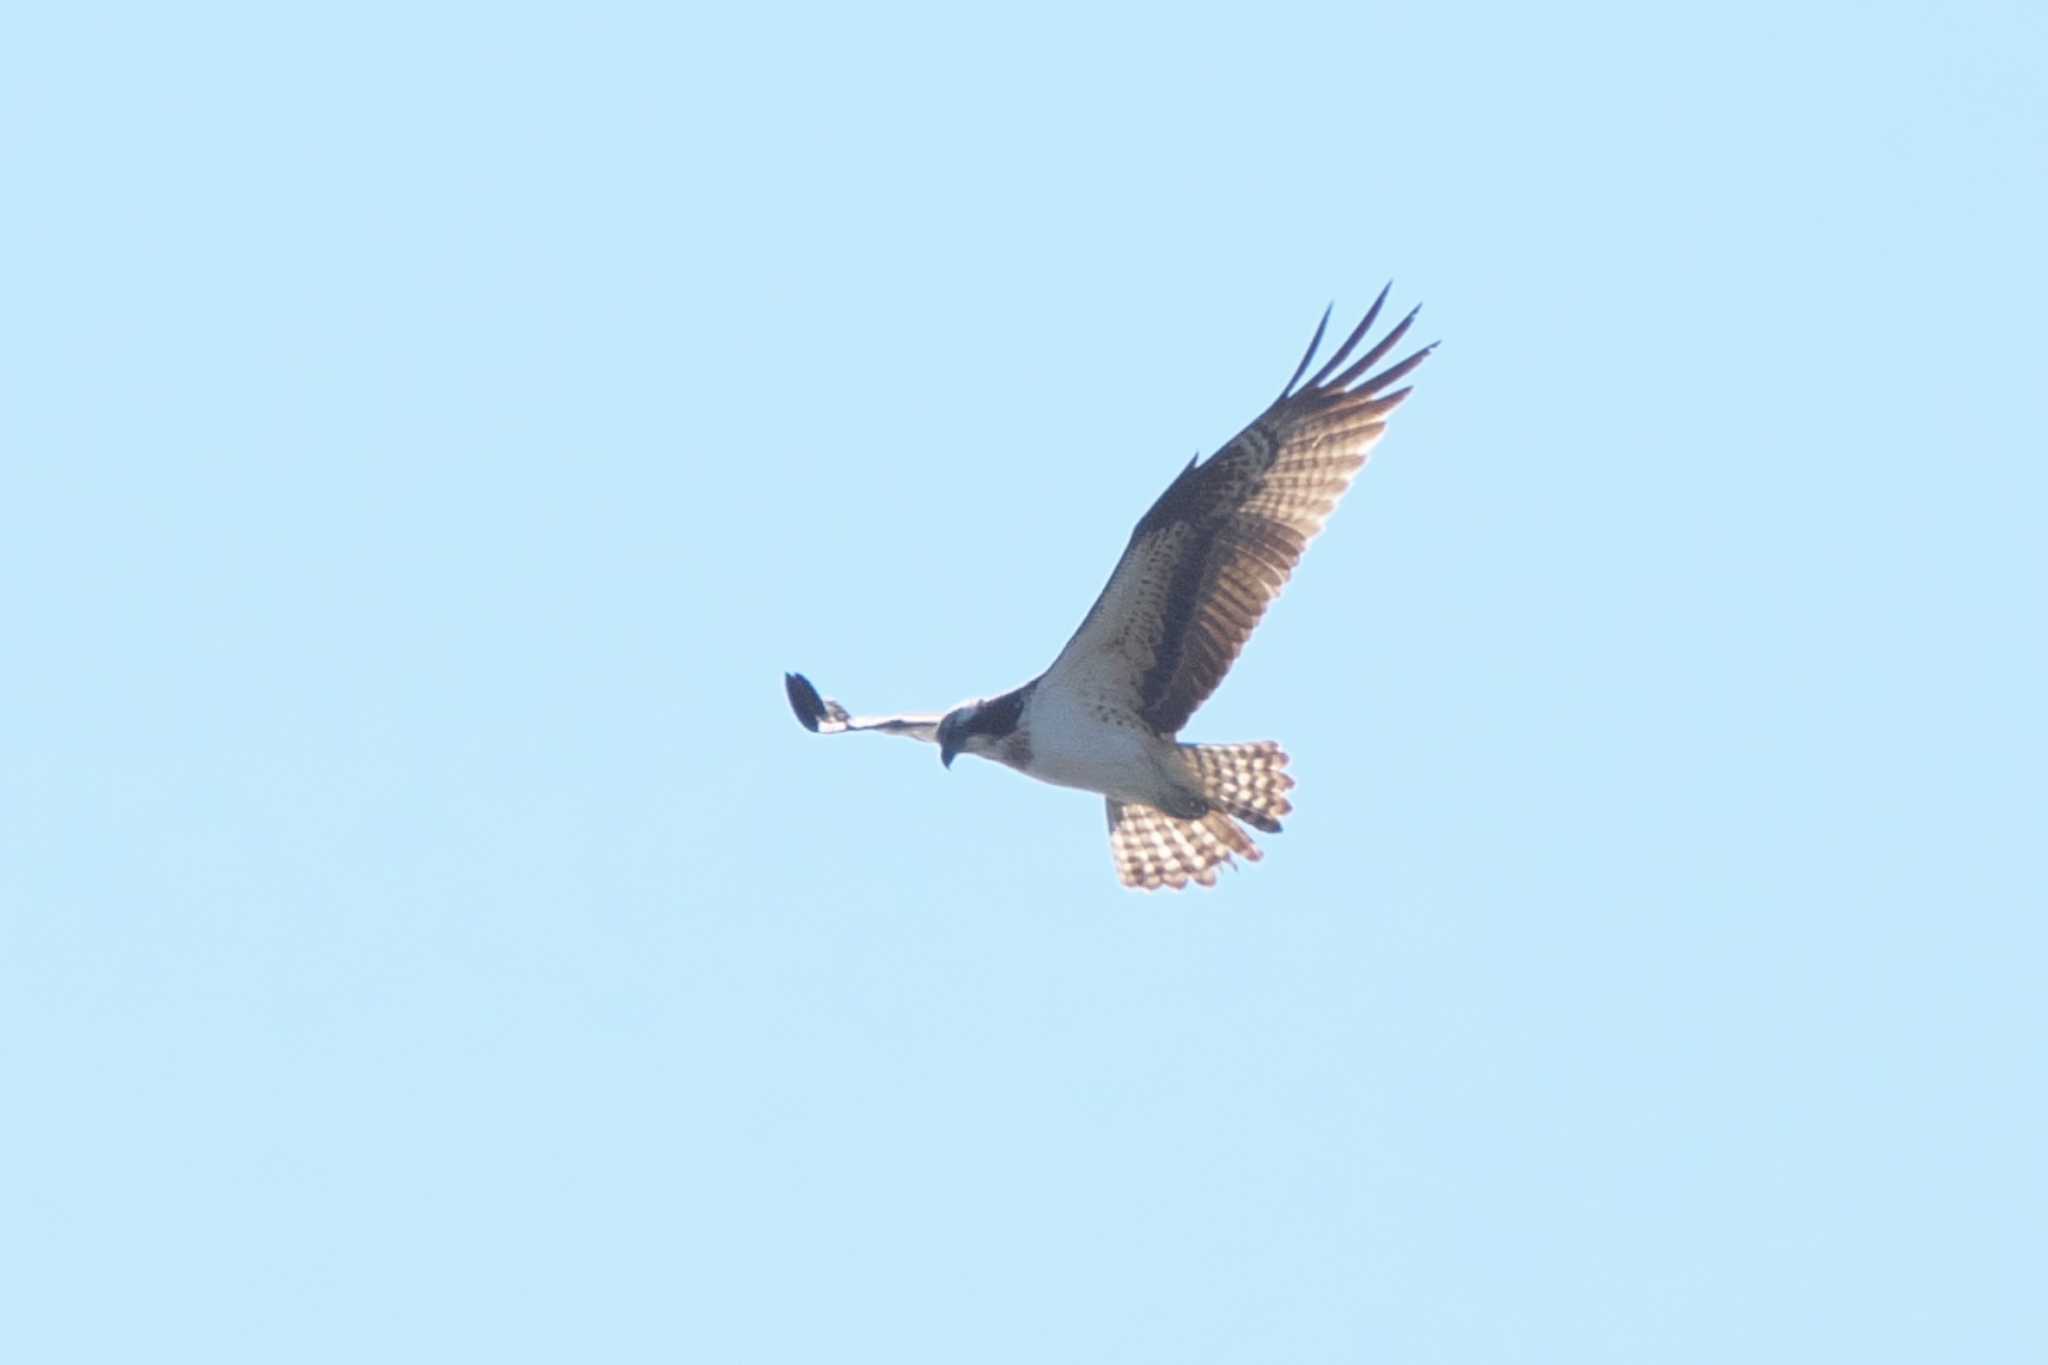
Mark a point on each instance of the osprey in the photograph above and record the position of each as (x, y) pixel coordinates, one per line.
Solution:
(1193, 582)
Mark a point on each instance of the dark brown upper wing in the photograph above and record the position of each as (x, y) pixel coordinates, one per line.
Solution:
(1223, 538)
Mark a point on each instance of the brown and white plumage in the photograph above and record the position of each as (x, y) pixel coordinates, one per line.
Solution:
(1217, 546)
(1200, 569)
(1245, 781)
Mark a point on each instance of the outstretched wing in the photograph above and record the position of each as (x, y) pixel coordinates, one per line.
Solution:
(823, 716)
(1221, 541)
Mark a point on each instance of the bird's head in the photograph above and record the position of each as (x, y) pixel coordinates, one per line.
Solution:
(960, 732)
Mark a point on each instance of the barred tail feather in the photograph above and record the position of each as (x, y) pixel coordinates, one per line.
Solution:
(1247, 780)
(1154, 850)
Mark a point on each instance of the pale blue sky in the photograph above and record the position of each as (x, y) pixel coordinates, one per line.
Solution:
(428, 436)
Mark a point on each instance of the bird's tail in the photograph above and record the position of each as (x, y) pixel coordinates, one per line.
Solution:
(1153, 850)
(1248, 781)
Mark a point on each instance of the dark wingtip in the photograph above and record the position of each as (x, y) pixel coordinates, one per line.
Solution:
(804, 700)
(1330, 366)
(1309, 355)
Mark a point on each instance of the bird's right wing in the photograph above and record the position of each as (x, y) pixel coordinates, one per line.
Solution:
(823, 716)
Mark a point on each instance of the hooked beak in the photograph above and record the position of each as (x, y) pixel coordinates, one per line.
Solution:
(948, 748)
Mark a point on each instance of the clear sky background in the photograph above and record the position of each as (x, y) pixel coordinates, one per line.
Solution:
(428, 434)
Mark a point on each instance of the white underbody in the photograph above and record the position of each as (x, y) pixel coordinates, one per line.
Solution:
(1087, 741)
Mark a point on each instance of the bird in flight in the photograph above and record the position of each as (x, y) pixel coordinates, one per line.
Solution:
(1192, 584)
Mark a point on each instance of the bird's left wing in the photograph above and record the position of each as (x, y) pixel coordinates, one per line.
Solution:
(823, 716)
(1215, 549)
